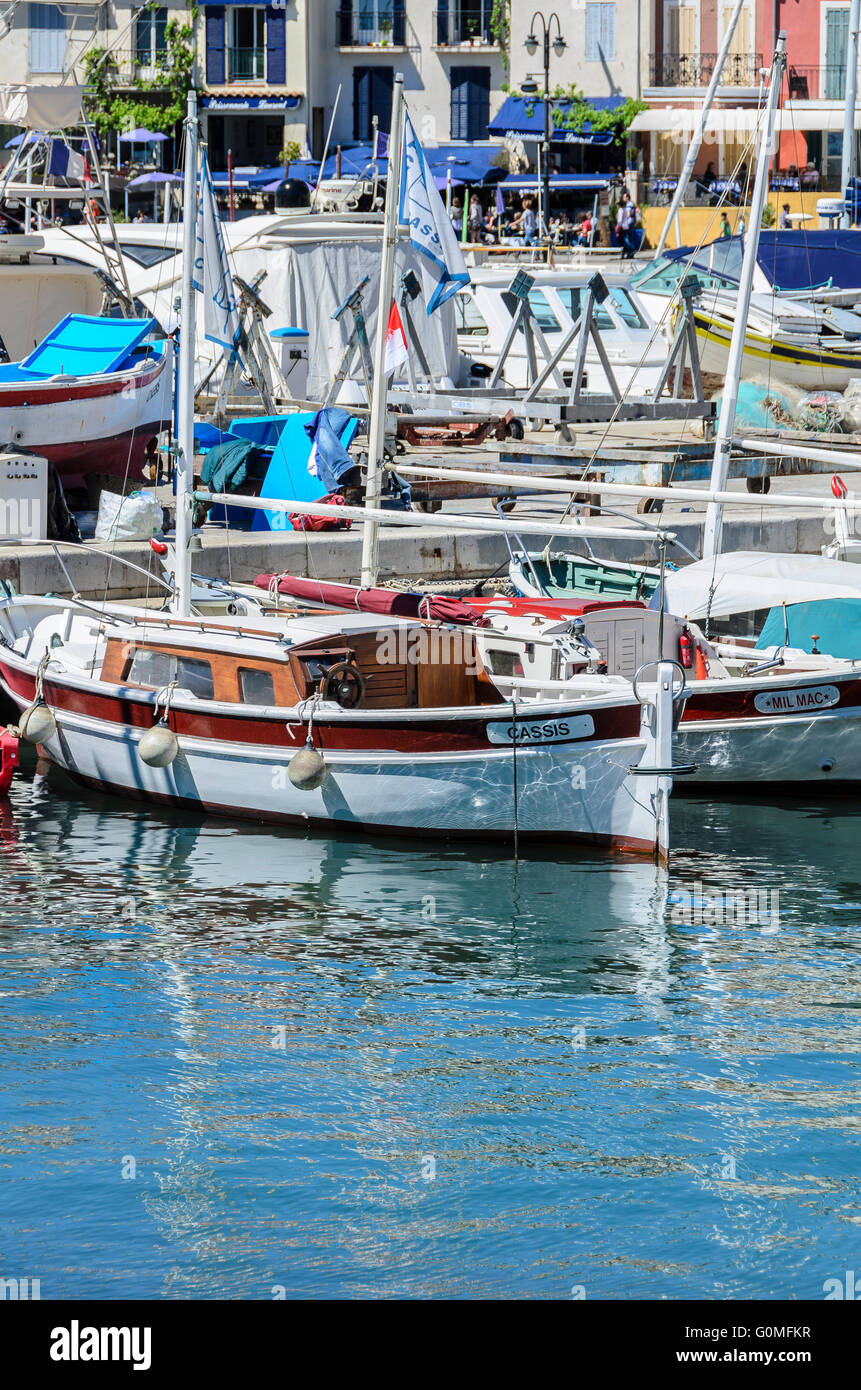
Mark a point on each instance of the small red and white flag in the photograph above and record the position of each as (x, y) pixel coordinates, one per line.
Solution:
(397, 351)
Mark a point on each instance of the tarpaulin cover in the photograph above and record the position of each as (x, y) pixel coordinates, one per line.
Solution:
(391, 601)
(40, 108)
(836, 621)
(747, 580)
(790, 260)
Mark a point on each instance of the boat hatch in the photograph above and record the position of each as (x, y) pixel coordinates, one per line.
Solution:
(82, 345)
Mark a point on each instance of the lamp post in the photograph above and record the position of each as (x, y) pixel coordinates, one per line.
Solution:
(559, 46)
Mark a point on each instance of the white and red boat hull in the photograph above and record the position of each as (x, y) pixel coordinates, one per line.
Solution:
(102, 424)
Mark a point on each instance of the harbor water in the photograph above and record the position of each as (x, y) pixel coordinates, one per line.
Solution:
(246, 1065)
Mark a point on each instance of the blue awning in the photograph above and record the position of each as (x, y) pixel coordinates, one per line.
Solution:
(468, 163)
(524, 117)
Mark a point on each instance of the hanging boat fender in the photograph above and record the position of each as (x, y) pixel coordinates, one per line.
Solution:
(159, 745)
(8, 759)
(307, 769)
(37, 723)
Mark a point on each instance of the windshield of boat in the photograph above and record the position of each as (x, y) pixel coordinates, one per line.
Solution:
(142, 254)
(572, 297)
(543, 314)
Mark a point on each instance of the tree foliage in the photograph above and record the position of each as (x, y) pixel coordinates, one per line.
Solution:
(162, 98)
(570, 110)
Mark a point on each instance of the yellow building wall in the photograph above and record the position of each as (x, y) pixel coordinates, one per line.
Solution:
(703, 224)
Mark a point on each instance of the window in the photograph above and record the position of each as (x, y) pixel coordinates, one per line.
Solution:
(836, 40)
(158, 669)
(372, 96)
(543, 314)
(500, 662)
(150, 41)
(627, 309)
(256, 687)
(247, 55)
(573, 299)
(47, 38)
(470, 103)
(144, 255)
(600, 33)
(467, 316)
(375, 21)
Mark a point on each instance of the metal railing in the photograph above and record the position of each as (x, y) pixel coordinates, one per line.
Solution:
(457, 26)
(246, 64)
(365, 27)
(695, 69)
(826, 83)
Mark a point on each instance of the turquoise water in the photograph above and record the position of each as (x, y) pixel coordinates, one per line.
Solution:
(243, 1065)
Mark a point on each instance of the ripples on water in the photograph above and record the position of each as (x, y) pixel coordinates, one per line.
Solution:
(353, 1069)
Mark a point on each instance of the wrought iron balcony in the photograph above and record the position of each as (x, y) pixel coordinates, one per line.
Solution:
(366, 27)
(695, 69)
(463, 25)
(246, 64)
(817, 83)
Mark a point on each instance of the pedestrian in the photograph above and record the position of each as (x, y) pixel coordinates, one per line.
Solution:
(725, 228)
(476, 218)
(626, 225)
(456, 216)
(785, 219)
(528, 222)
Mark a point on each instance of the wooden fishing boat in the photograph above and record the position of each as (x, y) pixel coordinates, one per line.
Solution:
(351, 720)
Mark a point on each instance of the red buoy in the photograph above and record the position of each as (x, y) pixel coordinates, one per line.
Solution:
(8, 760)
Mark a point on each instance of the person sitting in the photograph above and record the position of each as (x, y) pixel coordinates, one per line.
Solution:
(584, 231)
(785, 219)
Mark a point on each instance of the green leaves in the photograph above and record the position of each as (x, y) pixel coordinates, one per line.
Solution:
(163, 96)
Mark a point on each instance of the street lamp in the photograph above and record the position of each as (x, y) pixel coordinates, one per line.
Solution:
(559, 46)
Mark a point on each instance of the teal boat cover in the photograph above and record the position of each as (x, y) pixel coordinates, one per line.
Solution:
(835, 622)
(84, 345)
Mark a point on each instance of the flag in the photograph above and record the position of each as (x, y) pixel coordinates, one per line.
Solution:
(65, 163)
(397, 351)
(381, 145)
(211, 276)
(431, 233)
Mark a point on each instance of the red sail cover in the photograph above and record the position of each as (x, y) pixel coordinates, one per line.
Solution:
(393, 601)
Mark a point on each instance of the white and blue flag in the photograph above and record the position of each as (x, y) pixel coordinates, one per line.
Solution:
(431, 233)
(66, 163)
(212, 277)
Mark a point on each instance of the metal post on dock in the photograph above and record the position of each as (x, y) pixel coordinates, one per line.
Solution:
(847, 168)
(185, 382)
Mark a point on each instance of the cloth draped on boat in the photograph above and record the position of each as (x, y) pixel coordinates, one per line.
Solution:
(329, 460)
(228, 467)
(396, 602)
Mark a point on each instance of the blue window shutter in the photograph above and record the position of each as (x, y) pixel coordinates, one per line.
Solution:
(276, 55)
(398, 22)
(361, 102)
(345, 23)
(372, 96)
(215, 45)
(470, 103)
(442, 22)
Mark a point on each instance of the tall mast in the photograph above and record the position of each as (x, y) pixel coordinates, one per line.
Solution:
(185, 379)
(726, 423)
(379, 394)
(848, 162)
(699, 132)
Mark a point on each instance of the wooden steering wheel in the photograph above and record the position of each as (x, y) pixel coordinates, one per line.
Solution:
(345, 684)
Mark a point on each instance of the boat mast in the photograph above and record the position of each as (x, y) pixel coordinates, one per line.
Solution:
(699, 131)
(185, 378)
(726, 423)
(379, 394)
(848, 161)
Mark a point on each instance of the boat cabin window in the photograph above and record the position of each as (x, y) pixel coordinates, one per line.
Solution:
(573, 298)
(160, 668)
(468, 317)
(502, 662)
(627, 309)
(256, 687)
(544, 315)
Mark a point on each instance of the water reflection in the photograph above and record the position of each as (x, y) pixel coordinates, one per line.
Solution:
(351, 1068)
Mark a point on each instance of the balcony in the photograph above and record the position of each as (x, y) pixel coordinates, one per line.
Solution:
(695, 70)
(818, 83)
(369, 29)
(463, 27)
(246, 64)
(126, 68)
